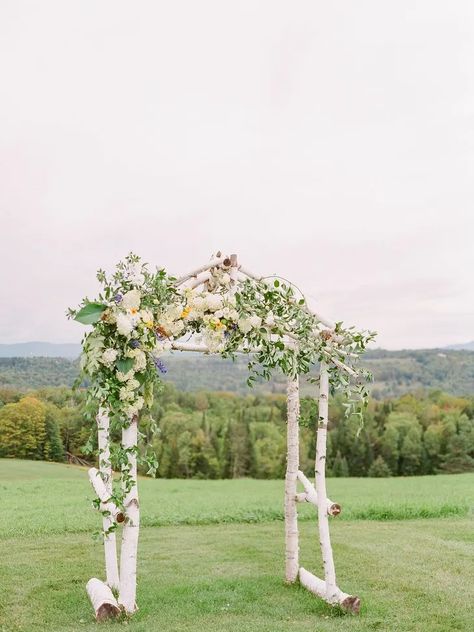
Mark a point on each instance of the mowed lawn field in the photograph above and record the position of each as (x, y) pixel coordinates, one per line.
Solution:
(212, 554)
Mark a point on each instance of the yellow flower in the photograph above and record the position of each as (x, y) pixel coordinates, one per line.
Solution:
(133, 310)
(149, 324)
(185, 311)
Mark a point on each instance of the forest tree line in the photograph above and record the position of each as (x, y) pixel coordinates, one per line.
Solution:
(226, 435)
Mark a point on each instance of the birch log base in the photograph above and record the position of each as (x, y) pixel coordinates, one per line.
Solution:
(318, 587)
(103, 601)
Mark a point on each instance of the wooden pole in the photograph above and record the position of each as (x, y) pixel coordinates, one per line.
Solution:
(292, 465)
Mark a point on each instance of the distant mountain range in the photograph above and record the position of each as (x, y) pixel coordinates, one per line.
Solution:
(395, 372)
(40, 350)
(72, 350)
(466, 346)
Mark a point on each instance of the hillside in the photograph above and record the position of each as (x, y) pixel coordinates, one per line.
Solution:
(395, 372)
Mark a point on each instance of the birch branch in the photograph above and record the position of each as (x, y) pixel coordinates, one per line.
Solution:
(104, 495)
(310, 496)
(207, 266)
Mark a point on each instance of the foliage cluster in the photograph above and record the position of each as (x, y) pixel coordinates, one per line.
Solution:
(224, 435)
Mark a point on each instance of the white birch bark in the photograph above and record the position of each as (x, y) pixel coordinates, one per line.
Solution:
(103, 601)
(128, 554)
(105, 469)
(320, 484)
(104, 495)
(332, 594)
(292, 464)
(310, 496)
(318, 587)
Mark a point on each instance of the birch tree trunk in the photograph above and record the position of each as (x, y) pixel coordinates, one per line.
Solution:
(292, 465)
(320, 484)
(105, 469)
(128, 554)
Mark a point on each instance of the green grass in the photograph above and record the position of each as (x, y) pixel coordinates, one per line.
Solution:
(411, 574)
(193, 502)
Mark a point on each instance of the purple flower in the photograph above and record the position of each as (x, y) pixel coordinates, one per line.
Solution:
(159, 365)
(118, 298)
(134, 344)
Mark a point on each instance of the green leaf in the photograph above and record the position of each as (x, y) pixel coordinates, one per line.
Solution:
(124, 365)
(90, 313)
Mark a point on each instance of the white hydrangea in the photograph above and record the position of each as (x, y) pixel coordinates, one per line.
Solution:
(198, 303)
(126, 394)
(244, 325)
(109, 356)
(270, 319)
(214, 302)
(214, 340)
(131, 300)
(135, 275)
(255, 321)
(124, 377)
(139, 357)
(177, 327)
(132, 409)
(146, 316)
(132, 384)
(124, 324)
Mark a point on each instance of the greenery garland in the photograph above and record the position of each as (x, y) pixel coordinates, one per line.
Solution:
(138, 314)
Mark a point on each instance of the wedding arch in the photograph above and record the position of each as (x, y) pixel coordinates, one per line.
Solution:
(220, 307)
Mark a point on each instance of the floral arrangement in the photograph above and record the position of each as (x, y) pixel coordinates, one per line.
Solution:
(140, 314)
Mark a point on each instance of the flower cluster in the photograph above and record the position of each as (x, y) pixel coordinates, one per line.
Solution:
(139, 315)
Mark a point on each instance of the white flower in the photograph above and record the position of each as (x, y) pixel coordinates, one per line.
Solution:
(225, 279)
(177, 327)
(214, 302)
(135, 274)
(146, 316)
(244, 325)
(198, 303)
(124, 377)
(132, 409)
(131, 300)
(124, 324)
(125, 393)
(161, 345)
(270, 319)
(140, 359)
(132, 384)
(255, 321)
(109, 356)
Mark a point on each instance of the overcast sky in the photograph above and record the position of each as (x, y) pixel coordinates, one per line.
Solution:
(330, 142)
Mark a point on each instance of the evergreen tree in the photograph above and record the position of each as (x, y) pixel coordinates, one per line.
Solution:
(340, 467)
(410, 453)
(379, 469)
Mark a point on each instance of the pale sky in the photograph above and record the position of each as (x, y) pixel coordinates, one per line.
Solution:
(329, 142)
